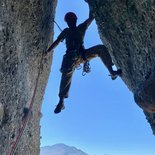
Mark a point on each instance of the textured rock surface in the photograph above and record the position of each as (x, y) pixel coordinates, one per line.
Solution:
(127, 28)
(25, 27)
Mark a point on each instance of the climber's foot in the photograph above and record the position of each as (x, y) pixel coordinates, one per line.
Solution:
(60, 106)
(115, 74)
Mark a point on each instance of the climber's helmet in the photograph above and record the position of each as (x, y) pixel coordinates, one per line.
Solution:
(70, 16)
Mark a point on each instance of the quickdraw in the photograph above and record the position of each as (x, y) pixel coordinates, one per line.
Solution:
(86, 68)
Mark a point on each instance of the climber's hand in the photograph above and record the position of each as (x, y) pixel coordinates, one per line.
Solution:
(48, 50)
(91, 15)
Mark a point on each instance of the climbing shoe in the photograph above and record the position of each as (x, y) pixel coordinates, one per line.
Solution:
(115, 74)
(60, 106)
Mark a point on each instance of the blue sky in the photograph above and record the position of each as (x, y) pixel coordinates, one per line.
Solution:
(100, 116)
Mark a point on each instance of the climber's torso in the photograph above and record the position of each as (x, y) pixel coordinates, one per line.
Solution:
(74, 37)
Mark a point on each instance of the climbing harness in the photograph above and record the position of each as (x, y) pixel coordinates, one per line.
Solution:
(26, 118)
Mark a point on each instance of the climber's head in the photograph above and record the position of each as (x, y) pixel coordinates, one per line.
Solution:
(71, 19)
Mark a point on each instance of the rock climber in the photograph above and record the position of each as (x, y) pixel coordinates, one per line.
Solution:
(76, 54)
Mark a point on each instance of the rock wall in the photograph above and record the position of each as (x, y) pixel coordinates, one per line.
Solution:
(25, 30)
(127, 28)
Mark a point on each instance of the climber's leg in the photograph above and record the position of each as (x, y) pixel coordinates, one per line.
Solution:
(64, 90)
(67, 72)
(102, 52)
(60, 106)
(65, 84)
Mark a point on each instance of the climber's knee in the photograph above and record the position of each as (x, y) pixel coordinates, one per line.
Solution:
(63, 96)
(100, 50)
(105, 56)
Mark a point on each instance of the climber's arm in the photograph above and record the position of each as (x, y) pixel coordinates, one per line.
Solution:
(89, 20)
(60, 38)
(55, 43)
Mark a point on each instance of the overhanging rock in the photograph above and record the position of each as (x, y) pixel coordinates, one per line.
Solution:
(127, 29)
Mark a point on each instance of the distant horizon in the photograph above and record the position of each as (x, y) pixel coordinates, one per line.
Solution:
(56, 144)
(58, 148)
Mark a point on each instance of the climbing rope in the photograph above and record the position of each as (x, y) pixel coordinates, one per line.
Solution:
(57, 25)
(26, 118)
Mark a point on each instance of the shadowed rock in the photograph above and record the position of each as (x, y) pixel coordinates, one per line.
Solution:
(127, 28)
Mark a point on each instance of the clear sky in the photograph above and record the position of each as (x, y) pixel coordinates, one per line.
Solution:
(100, 116)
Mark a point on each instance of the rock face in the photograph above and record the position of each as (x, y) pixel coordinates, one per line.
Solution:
(127, 28)
(25, 27)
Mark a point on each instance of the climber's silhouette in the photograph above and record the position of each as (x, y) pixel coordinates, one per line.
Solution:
(76, 54)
